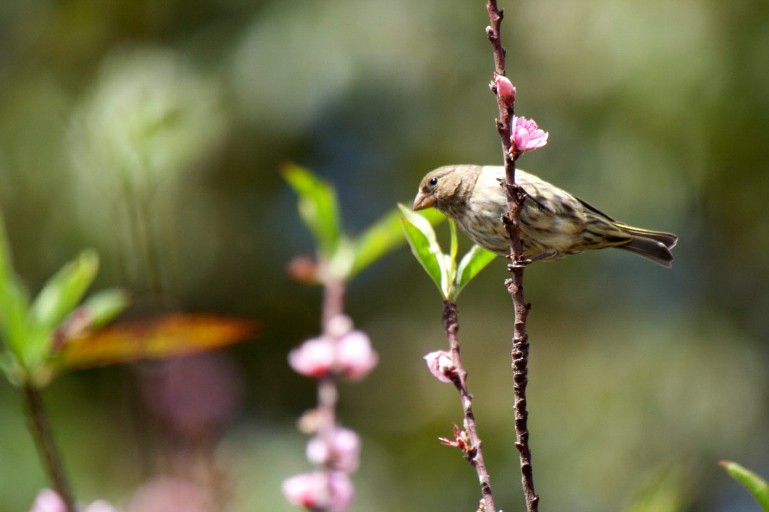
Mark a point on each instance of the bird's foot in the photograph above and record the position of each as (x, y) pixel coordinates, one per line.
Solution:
(522, 263)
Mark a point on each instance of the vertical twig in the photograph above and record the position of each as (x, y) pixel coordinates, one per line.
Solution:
(474, 454)
(328, 391)
(515, 199)
(41, 432)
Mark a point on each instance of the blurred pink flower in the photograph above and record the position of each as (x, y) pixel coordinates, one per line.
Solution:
(441, 365)
(332, 492)
(339, 325)
(49, 501)
(196, 395)
(341, 452)
(526, 136)
(313, 358)
(171, 493)
(355, 357)
(100, 506)
(505, 89)
(351, 356)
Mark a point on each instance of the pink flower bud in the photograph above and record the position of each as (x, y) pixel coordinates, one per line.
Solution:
(505, 89)
(339, 325)
(48, 501)
(333, 492)
(340, 452)
(441, 365)
(355, 357)
(526, 136)
(313, 358)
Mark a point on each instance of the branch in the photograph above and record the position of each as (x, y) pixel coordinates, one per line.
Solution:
(41, 431)
(473, 452)
(515, 199)
(328, 392)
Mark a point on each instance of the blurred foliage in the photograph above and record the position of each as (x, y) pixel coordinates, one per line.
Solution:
(757, 486)
(155, 131)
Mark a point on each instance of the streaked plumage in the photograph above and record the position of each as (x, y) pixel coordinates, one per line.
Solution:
(554, 223)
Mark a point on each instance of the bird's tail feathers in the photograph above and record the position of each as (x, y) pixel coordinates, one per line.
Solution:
(654, 245)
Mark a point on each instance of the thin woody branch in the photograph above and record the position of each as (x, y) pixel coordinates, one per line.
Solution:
(46, 446)
(473, 452)
(515, 200)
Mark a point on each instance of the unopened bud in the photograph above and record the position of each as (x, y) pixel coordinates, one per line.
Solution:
(441, 365)
(505, 89)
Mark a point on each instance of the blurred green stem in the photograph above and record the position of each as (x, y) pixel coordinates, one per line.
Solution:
(41, 432)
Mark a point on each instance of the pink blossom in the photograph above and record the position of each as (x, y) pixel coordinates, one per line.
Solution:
(526, 136)
(341, 451)
(100, 506)
(313, 358)
(333, 492)
(355, 357)
(339, 325)
(441, 365)
(171, 493)
(48, 501)
(505, 89)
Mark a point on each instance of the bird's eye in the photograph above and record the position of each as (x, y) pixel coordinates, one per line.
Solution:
(433, 182)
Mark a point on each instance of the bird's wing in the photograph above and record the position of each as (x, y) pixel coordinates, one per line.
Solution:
(595, 210)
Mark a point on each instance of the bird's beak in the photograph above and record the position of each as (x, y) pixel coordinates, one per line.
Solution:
(423, 201)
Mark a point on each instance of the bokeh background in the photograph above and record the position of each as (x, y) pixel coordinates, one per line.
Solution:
(154, 132)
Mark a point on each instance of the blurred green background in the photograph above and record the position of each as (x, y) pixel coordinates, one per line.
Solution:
(154, 132)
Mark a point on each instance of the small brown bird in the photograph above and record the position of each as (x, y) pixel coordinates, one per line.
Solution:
(554, 223)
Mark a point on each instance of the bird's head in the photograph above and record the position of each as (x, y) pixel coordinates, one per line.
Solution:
(444, 186)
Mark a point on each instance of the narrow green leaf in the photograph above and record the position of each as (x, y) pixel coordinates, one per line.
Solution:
(378, 239)
(424, 246)
(342, 260)
(383, 236)
(104, 306)
(451, 258)
(317, 206)
(14, 304)
(62, 293)
(13, 298)
(6, 267)
(756, 485)
(454, 243)
(472, 263)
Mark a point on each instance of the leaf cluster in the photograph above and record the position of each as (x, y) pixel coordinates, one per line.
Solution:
(450, 277)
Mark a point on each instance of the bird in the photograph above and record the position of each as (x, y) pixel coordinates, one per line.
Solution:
(554, 223)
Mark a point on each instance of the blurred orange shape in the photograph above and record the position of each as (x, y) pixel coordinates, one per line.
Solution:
(158, 338)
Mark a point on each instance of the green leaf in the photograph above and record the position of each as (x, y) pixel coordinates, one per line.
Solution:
(62, 293)
(383, 236)
(14, 304)
(104, 306)
(6, 267)
(424, 246)
(472, 263)
(13, 299)
(756, 485)
(317, 206)
(342, 260)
